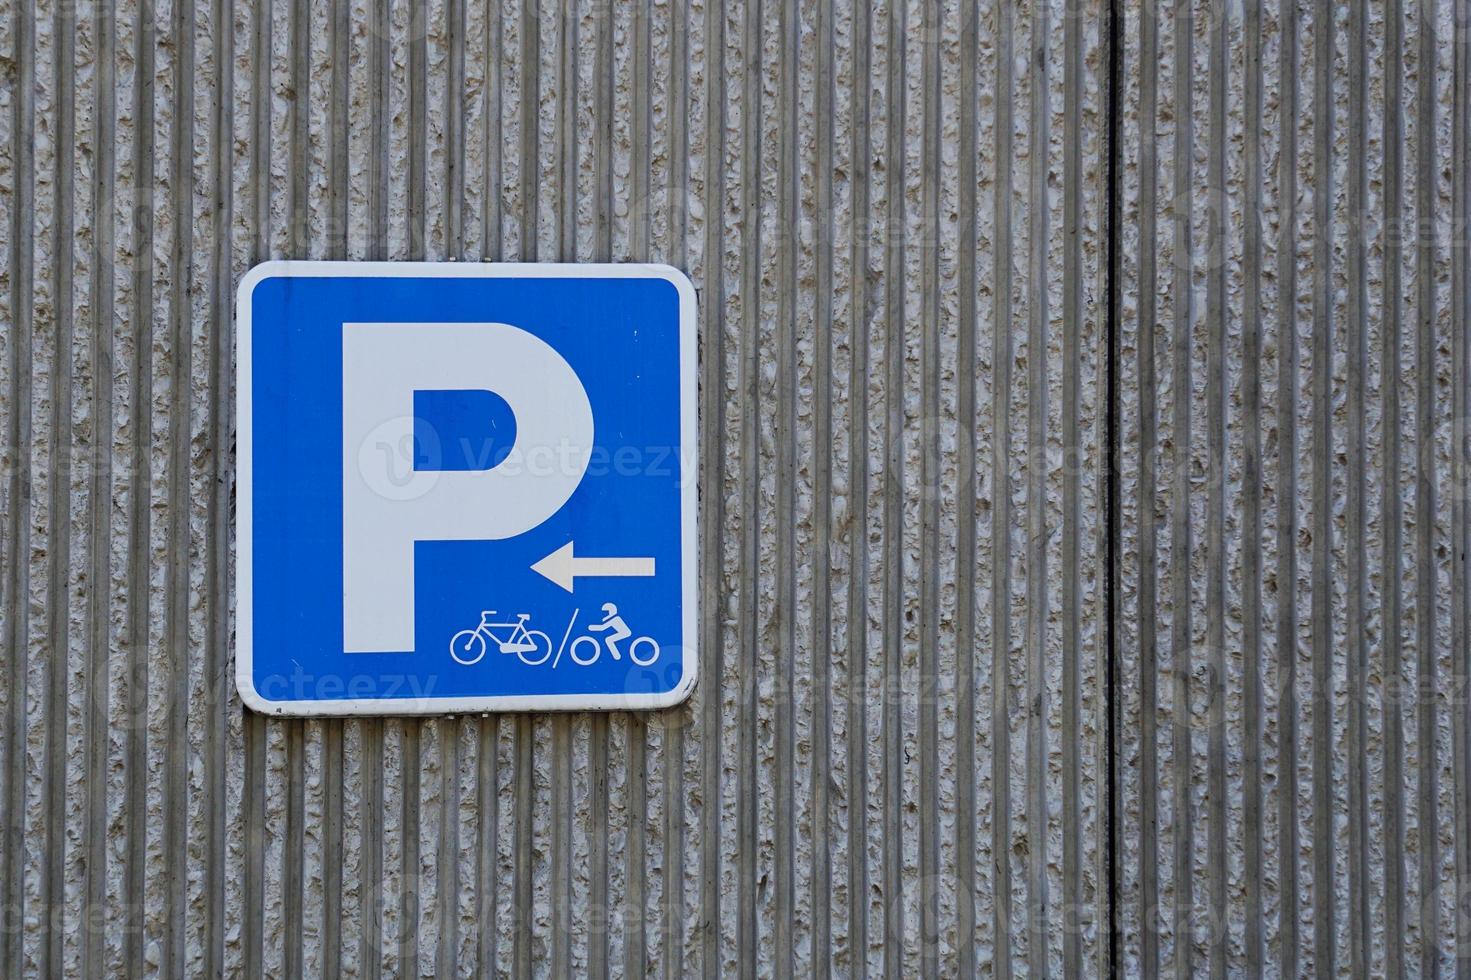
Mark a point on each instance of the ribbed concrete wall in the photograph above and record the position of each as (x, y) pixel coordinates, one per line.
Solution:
(1295, 391)
(896, 219)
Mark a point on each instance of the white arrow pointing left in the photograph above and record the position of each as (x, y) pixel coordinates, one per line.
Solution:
(563, 567)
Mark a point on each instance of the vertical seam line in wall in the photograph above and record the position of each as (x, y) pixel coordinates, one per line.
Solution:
(1111, 488)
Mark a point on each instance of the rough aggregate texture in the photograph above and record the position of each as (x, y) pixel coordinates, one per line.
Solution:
(1293, 757)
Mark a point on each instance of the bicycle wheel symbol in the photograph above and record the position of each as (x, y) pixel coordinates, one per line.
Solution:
(468, 646)
(541, 648)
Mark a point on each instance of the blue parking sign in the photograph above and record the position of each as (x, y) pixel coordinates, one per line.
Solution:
(465, 487)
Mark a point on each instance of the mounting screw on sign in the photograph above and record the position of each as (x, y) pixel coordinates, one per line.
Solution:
(421, 444)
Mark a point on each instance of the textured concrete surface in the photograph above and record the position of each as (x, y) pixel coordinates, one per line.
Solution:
(1295, 744)
(896, 220)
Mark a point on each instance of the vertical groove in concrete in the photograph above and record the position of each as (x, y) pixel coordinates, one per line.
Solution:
(1320, 504)
(337, 245)
(452, 866)
(888, 375)
(20, 160)
(59, 506)
(1039, 595)
(784, 428)
(1217, 385)
(177, 585)
(487, 881)
(527, 170)
(635, 732)
(1356, 652)
(99, 536)
(968, 729)
(930, 460)
(1182, 528)
(556, 36)
(1253, 827)
(1075, 357)
(298, 126)
(1427, 480)
(417, 734)
(1003, 347)
(893, 216)
(259, 226)
(1287, 522)
(749, 465)
(714, 544)
(1146, 667)
(856, 728)
(141, 313)
(677, 862)
(825, 647)
(1392, 670)
(1460, 482)
(371, 886)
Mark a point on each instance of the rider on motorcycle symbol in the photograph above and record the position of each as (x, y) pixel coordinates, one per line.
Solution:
(612, 621)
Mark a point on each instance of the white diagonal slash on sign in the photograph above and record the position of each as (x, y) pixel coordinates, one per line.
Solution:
(563, 567)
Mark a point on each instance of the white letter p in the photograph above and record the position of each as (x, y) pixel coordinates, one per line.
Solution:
(387, 505)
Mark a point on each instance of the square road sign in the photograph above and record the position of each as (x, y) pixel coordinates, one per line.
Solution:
(465, 487)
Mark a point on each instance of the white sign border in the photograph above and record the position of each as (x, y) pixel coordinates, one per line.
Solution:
(244, 486)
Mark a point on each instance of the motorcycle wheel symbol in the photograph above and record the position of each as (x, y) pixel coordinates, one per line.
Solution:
(591, 649)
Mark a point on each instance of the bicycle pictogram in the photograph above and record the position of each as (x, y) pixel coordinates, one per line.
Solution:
(468, 646)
